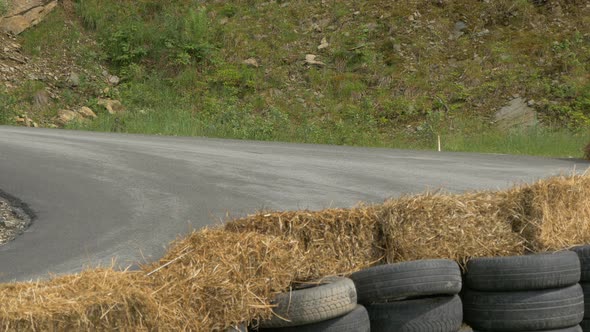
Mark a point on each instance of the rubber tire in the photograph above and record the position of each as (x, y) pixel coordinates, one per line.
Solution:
(586, 290)
(524, 311)
(336, 297)
(434, 314)
(355, 321)
(519, 273)
(384, 283)
(576, 328)
(584, 256)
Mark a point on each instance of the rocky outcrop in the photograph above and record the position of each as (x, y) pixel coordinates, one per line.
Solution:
(112, 106)
(518, 113)
(66, 116)
(23, 14)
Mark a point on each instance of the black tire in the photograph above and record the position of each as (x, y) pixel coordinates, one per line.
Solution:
(586, 290)
(335, 297)
(576, 328)
(524, 311)
(519, 273)
(384, 283)
(584, 256)
(355, 321)
(435, 314)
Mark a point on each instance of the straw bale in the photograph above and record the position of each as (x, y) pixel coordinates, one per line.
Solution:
(456, 227)
(338, 241)
(99, 299)
(213, 279)
(551, 214)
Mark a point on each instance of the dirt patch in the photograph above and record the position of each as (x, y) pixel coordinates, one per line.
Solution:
(13, 221)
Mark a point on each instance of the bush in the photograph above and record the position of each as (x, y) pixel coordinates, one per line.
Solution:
(148, 33)
(587, 151)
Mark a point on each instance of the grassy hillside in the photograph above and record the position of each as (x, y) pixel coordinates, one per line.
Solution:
(385, 73)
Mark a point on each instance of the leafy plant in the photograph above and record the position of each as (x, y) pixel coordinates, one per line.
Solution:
(122, 48)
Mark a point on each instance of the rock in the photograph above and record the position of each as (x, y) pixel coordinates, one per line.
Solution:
(460, 26)
(86, 112)
(114, 80)
(74, 79)
(323, 44)
(41, 98)
(310, 60)
(25, 121)
(516, 114)
(251, 62)
(458, 30)
(66, 116)
(111, 105)
(26, 14)
(483, 33)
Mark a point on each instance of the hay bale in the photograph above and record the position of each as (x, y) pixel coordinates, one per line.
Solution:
(456, 227)
(338, 241)
(551, 214)
(99, 299)
(213, 279)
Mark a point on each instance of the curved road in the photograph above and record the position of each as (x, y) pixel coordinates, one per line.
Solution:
(97, 196)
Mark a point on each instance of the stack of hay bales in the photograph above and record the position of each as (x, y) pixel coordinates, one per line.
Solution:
(216, 278)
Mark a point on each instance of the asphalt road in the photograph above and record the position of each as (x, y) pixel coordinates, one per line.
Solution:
(98, 196)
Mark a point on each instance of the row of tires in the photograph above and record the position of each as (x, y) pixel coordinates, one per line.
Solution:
(543, 292)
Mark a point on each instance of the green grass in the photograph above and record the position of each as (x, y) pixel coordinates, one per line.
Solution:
(535, 142)
(3, 7)
(562, 143)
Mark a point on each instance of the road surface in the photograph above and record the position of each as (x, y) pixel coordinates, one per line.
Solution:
(99, 196)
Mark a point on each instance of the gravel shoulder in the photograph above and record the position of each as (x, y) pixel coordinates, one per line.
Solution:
(13, 221)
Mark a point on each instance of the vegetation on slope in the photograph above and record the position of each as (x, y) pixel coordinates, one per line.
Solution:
(384, 74)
